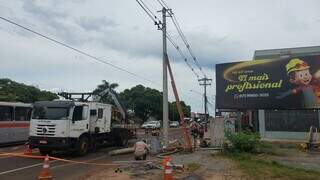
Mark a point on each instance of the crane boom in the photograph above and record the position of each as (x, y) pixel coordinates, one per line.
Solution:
(115, 98)
(84, 97)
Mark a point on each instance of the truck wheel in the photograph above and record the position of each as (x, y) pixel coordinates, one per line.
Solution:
(45, 152)
(83, 146)
(122, 141)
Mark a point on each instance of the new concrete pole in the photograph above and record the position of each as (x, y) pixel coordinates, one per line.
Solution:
(165, 79)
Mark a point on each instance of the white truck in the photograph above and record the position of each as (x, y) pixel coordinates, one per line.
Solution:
(77, 125)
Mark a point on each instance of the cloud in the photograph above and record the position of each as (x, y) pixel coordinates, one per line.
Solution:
(120, 33)
(96, 24)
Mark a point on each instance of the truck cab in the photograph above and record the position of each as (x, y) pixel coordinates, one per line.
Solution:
(68, 125)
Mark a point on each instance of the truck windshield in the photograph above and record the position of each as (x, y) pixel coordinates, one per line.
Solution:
(52, 113)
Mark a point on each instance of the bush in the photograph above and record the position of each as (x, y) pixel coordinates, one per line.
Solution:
(243, 142)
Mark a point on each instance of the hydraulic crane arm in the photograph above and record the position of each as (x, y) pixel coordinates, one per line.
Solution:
(115, 98)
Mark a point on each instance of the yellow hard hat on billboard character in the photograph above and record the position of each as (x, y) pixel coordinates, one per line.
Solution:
(296, 64)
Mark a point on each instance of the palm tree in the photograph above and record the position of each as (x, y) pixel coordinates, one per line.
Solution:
(101, 87)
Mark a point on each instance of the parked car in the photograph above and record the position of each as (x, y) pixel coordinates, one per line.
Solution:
(174, 124)
(151, 125)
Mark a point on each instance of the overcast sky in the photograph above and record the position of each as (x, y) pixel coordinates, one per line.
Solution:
(119, 32)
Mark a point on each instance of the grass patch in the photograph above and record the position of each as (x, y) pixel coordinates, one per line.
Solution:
(193, 167)
(262, 169)
(268, 148)
(289, 146)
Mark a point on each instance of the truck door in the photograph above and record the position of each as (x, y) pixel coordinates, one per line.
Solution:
(80, 121)
(103, 120)
(100, 121)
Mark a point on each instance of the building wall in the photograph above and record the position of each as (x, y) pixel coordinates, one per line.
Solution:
(287, 124)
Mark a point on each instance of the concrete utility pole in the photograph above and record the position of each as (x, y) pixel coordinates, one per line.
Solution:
(165, 115)
(206, 82)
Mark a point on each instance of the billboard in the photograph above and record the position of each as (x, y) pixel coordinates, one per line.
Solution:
(287, 83)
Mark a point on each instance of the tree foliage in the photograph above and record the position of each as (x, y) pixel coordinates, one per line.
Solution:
(144, 101)
(12, 91)
(147, 102)
(173, 111)
(101, 87)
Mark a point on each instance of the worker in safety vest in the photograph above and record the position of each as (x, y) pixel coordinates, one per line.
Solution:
(194, 127)
(141, 150)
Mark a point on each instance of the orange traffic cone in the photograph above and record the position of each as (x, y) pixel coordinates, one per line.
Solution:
(167, 168)
(28, 150)
(45, 174)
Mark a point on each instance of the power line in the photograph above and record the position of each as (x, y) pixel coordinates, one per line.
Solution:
(77, 50)
(148, 9)
(174, 44)
(163, 4)
(181, 54)
(152, 16)
(187, 44)
(181, 34)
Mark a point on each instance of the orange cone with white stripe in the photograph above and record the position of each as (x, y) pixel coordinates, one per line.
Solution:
(28, 150)
(167, 168)
(45, 174)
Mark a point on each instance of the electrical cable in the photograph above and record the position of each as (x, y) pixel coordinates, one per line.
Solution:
(164, 4)
(142, 5)
(146, 9)
(182, 55)
(77, 50)
(181, 34)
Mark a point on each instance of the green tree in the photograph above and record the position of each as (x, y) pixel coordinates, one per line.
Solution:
(18, 92)
(144, 101)
(147, 102)
(173, 111)
(101, 87)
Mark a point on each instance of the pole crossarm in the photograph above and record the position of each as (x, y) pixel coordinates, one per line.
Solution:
(205, 82)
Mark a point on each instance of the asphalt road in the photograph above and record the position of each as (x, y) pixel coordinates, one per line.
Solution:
(16, 168)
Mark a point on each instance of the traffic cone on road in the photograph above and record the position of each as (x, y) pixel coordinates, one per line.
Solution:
(167, 168)
(45, 174)
(28, 150)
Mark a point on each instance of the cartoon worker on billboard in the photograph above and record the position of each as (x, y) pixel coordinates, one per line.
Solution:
(299, 75)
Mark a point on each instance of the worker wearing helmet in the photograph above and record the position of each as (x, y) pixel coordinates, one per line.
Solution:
(299, 75)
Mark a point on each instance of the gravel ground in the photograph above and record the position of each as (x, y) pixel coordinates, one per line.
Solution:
(210, 166)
